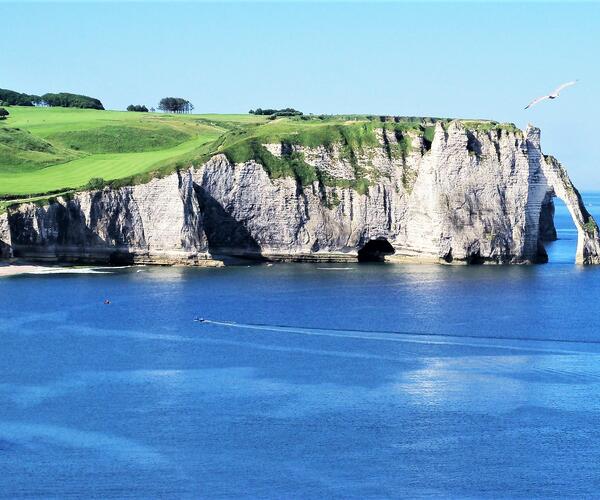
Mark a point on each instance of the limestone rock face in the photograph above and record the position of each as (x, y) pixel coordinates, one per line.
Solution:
(157, 222)
(470, 196)
(5, 239)
(547, 229)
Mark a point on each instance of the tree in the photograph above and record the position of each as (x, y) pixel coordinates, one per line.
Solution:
(3, 114)
(175, 105)
(140, 108)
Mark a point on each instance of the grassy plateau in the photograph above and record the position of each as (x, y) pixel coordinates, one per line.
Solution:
(46, 151)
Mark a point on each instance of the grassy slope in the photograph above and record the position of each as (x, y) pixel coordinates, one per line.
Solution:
(121, 138)
(109, 166)
(47, 150)
(21, 151)
(58, 148)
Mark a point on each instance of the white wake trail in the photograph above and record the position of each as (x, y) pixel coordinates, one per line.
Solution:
(409, 337)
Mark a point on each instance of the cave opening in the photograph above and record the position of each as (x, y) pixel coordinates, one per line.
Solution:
(475, 259)
(375, 250)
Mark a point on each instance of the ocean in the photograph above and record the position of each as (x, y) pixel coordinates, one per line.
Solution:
(304, 381)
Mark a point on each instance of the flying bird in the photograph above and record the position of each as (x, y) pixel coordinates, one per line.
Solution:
(553, 95)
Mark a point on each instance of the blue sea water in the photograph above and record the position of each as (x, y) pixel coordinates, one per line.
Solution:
(308, 381)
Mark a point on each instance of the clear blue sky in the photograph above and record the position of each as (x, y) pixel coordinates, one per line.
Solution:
(473, 59)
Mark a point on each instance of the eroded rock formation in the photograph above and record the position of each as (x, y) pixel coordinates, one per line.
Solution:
(469, 195)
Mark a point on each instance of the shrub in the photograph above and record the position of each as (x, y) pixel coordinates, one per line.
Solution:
(590, 227)
(428, 135)
(95, 183)
(3, 114)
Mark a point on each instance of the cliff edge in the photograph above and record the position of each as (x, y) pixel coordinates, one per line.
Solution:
(456, 193)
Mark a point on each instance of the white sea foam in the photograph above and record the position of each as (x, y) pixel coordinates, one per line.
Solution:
(15, 270)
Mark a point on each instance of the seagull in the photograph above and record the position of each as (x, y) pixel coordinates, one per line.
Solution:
(553, 95)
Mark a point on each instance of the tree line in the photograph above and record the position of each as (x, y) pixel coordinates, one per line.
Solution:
(140, 108)
(275, 112)
(12, 98)
(67, 100)
(63, 99)
(166, 104)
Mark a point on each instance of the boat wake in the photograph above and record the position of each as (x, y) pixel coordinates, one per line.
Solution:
(335, 268)
(511, 343)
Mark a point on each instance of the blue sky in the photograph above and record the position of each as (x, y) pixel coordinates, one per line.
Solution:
(471, 59)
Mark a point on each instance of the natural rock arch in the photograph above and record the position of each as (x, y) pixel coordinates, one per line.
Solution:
(588, 238)
(555, 182)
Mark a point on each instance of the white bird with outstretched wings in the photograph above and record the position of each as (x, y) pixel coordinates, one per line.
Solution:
(553, 95)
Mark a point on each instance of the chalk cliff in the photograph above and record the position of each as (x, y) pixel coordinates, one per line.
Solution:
(469, 195)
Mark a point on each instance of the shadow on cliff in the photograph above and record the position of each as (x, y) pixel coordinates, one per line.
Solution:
(65, 235)
(225, 234)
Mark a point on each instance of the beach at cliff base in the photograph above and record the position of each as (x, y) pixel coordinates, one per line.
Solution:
(18, 269)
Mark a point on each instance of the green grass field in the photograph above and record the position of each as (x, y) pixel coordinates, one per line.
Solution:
(110, 166)
(44, 151)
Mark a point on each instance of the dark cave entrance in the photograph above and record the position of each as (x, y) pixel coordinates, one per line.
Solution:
(375, 250)
(475, 259)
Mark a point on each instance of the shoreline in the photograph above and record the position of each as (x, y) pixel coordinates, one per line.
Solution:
(17, 269)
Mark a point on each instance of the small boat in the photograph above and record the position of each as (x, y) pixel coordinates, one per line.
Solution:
(199, 320)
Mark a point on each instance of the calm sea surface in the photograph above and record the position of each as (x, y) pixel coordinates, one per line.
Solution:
(308, 381)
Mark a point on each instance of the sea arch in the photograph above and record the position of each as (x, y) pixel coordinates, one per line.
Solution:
(560, 186)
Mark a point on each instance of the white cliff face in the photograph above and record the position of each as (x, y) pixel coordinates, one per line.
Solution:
(157, 222)
(5, 239)
(469, 196)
